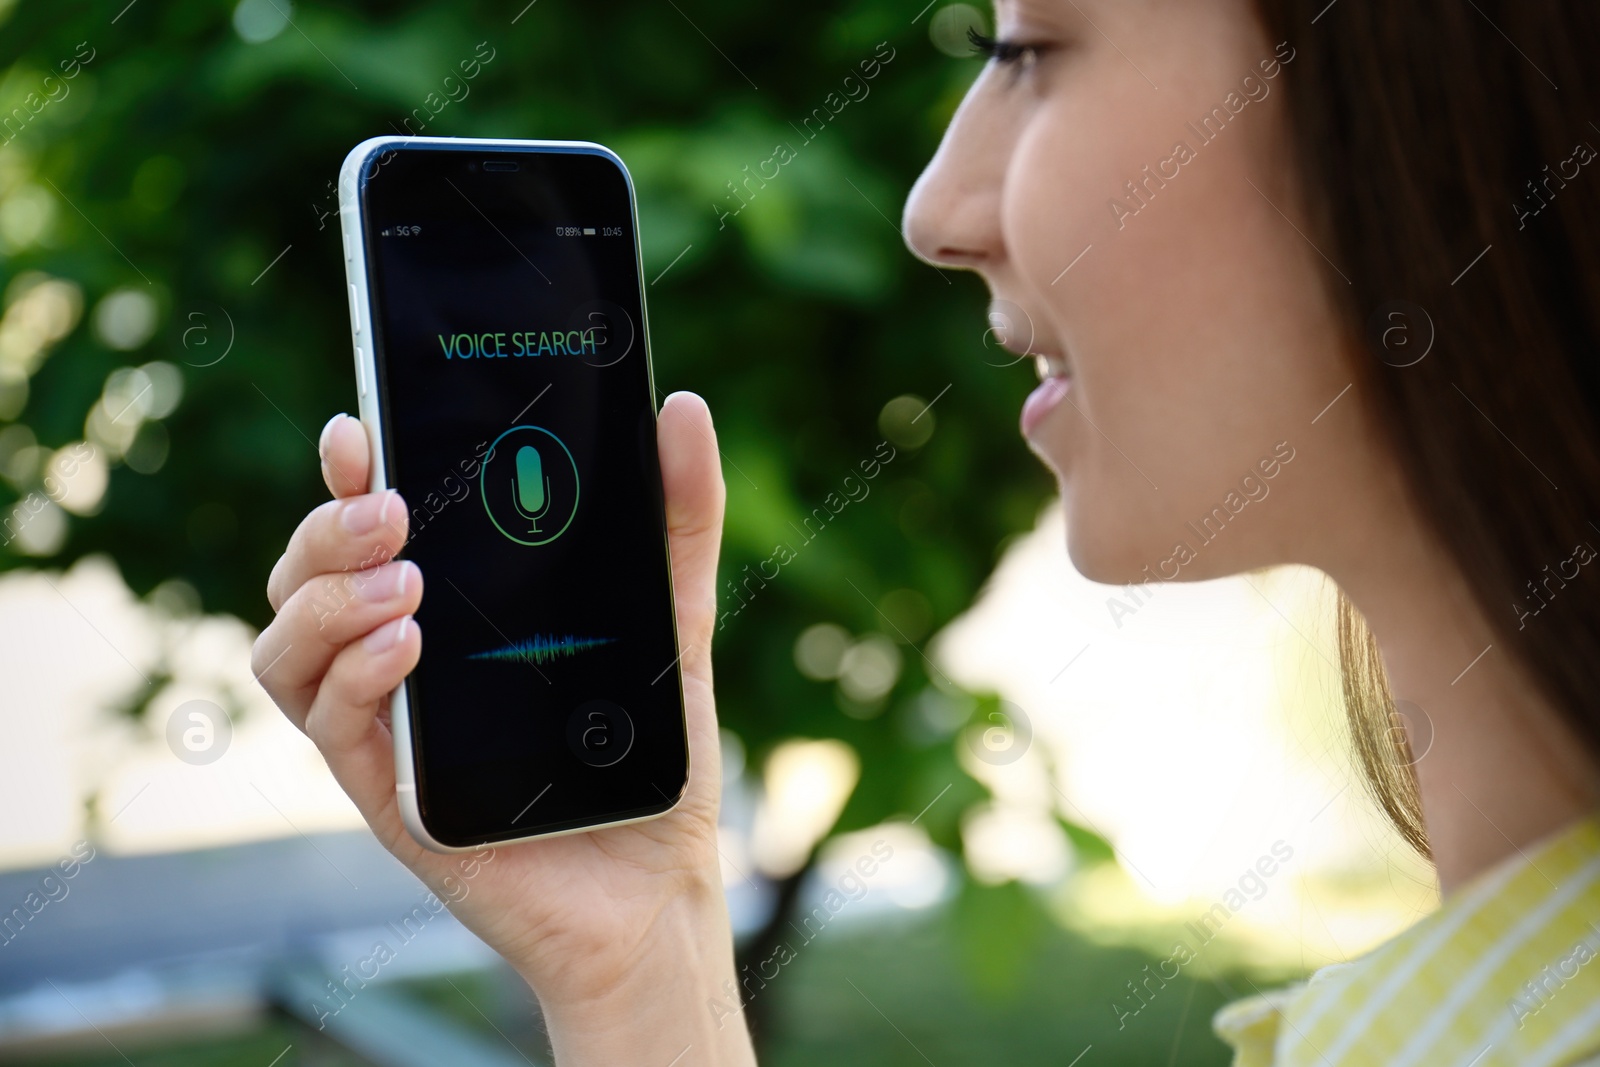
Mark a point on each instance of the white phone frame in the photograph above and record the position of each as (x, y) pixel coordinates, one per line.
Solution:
(353, 231)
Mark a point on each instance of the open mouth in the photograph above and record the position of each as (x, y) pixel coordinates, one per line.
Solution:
(1055, 382)
(1050, 366)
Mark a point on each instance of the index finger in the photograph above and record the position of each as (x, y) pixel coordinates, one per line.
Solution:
(346, 456)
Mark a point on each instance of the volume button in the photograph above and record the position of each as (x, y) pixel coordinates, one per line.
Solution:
(361, 373)
(355, 310)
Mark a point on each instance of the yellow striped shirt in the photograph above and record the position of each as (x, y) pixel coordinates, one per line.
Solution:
(1506, 972)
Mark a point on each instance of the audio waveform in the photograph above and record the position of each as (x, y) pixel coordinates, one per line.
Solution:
(542, 648)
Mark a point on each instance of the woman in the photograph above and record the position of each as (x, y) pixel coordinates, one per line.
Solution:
(1346, 246)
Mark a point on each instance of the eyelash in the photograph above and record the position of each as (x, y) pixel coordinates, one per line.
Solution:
(1003, 53)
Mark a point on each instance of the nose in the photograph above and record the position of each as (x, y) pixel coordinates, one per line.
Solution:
(952, 216)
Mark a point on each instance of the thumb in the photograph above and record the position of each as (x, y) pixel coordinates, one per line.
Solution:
(691, 480)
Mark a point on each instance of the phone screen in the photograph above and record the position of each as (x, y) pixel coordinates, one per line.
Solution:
(519, 427)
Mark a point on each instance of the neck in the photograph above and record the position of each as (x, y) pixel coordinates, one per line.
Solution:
(1502, 768)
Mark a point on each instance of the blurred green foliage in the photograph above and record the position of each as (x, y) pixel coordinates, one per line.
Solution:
(187, 163)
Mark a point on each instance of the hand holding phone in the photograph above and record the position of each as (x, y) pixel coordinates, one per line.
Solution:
(622, 932)
(502, 358)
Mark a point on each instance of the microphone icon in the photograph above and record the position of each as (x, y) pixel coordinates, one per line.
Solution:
(530, 458)
(530, 487)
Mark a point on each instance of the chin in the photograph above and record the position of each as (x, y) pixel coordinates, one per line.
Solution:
(1098, 568)
(1113, 551)
(1107, 555)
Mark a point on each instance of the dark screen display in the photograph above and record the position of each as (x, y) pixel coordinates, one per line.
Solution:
(519, 418)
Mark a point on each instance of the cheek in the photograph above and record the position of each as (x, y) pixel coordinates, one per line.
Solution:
(1197, 323)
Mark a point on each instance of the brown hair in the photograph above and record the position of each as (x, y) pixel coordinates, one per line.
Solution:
(1375, 727)
(1453, 167)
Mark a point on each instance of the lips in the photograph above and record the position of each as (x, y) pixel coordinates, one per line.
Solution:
(1016, 331)
(1055, 382)
(1043, 400)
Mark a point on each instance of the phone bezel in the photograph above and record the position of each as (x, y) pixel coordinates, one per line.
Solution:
(353, 231)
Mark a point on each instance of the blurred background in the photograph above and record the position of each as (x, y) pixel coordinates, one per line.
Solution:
(1072, 780)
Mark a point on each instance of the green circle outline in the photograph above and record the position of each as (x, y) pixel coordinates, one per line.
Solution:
(483, 489)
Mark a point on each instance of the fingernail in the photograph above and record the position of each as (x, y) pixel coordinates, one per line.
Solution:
(322, 441)
(387, 583)
(363, 514)
(388, 635)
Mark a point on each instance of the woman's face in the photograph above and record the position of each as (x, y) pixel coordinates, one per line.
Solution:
(1123, 185)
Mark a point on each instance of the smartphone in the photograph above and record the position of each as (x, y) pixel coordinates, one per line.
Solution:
(502, 364)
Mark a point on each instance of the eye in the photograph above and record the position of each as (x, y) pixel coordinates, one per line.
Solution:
(1005, 53)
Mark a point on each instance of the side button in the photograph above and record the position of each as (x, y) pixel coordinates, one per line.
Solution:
(361, 373)
(355, 309)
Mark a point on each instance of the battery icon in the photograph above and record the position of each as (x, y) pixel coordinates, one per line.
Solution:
(588, 231)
